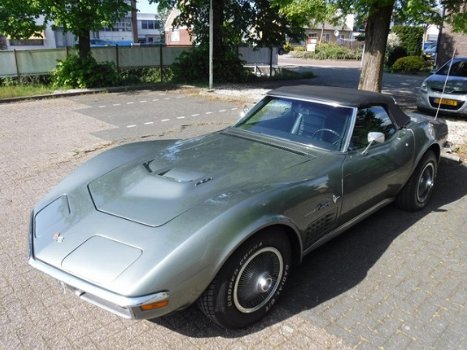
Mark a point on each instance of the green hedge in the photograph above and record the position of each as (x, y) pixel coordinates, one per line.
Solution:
(411, 38)
(409, 64)
(330, 51)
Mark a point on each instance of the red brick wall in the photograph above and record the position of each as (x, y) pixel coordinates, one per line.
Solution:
(450, 41)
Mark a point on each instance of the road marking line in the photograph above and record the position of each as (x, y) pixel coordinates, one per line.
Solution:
(234, 109)
(148, 123)
(164, 120)
(116, 104)
(208, 112)
(222, 110)
(131, 126)
(155, 100)
(167, 98)
(129, 103)
(101, 106)
(143, 101)
(195, 115)
(182, 117)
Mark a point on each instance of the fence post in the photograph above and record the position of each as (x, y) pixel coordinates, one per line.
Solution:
(16, 63)
(117, 60)
(161, 63)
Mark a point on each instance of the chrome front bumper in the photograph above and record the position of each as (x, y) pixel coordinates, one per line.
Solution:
(126, 307)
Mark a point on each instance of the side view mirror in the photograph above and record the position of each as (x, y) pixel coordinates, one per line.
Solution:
(373, 137)
(244, 111)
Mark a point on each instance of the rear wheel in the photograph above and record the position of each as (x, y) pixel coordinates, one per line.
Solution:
(250, 282)
(417, 192)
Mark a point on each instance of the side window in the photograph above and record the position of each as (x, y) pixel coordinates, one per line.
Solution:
(371, 119)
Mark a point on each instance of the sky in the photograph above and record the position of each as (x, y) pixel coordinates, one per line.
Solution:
(144, 6)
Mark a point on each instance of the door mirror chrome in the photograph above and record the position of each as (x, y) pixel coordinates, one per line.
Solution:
(377, 137)
(244, 111)
(373, 137)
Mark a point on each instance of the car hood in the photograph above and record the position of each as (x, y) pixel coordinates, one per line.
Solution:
(454, 84)
(185, 174)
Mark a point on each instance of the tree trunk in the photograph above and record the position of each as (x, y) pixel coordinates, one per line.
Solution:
(376, 37)
(84, 44)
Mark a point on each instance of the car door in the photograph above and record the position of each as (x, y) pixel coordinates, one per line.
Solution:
(379, 173)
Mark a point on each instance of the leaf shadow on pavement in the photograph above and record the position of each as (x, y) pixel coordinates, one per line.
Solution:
(336, 267)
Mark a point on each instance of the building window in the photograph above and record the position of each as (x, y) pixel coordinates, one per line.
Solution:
(26, 42)
(175, 35)
(326, 37)
(124, 25)
(150, 24)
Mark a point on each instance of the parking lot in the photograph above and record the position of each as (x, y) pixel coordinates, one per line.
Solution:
(395, 281)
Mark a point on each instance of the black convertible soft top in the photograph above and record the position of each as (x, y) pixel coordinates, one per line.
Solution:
(344, 97)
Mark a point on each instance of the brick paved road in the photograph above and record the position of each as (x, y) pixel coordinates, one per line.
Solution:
(397, 280)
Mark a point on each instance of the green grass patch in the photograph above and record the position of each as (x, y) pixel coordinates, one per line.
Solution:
(24, 90)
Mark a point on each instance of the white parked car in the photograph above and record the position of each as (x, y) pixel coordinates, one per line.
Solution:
(454, 98)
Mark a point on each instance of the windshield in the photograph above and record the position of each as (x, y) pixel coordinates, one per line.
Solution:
(311, 123)
(458, 69)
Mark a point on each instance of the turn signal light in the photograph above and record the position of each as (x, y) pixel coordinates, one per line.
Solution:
(156, 305)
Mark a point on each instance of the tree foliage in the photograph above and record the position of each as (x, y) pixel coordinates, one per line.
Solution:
(411, 38)
(18, 18)
(80, 17)
(256, 22)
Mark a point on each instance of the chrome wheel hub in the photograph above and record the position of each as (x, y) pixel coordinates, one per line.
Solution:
(258, 280)
(425, 183)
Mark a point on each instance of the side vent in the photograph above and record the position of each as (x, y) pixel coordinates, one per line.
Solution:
(318, 228)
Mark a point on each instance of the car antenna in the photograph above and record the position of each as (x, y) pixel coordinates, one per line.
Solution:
(445, 83)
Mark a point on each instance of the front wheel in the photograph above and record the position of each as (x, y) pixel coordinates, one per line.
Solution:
(250, 282)
(417, 192)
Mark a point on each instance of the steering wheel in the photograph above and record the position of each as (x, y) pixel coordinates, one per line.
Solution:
(335, 133)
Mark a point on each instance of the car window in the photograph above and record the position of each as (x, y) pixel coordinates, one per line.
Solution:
(311, 123)
(371, 119)
(458, 69)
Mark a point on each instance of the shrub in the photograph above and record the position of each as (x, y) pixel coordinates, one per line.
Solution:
(43, 79)
(330, 51)
(287, 47)
(84, 73)
(394, 53)
(193, 66)
(298, 48)
(409, 64)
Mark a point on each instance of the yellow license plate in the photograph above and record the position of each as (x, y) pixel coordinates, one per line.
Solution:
(446, 101)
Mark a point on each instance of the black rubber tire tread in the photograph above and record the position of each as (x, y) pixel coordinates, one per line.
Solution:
(210, 302)
(406, 199)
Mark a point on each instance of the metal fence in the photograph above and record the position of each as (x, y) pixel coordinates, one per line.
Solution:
(43, 61)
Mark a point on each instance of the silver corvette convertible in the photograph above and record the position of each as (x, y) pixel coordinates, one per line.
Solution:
(149, 228)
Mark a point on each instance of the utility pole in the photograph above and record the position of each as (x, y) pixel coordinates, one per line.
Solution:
(211, 44)
(134, 21)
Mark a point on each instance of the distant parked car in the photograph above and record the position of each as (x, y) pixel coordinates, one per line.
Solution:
(454, 98)
(428, 45)
(430, 53)
(101, 43)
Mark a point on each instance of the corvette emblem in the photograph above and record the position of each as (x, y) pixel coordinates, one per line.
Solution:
(58, 237)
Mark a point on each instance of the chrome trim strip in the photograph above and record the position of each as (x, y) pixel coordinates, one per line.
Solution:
(336, 232)
(350, 130)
